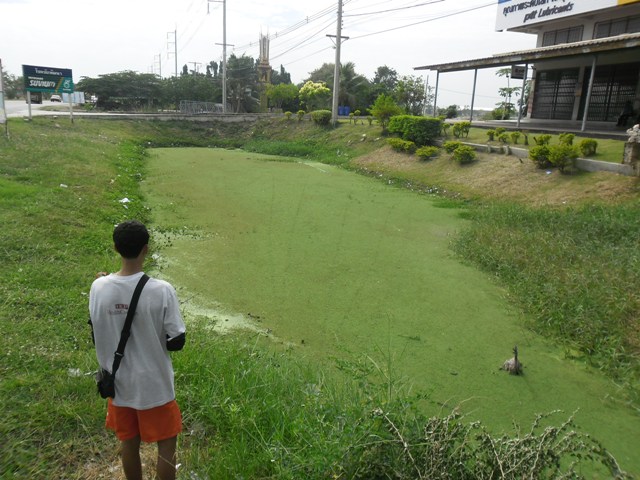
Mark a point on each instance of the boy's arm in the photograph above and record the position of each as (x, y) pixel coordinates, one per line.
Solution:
(174, 325)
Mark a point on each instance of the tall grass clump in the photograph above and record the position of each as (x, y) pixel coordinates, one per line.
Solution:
(574, 270)
(256, 413)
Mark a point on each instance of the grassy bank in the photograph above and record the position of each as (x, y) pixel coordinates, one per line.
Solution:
(248, 411)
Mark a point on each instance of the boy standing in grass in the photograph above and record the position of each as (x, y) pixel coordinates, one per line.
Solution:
(144, 407)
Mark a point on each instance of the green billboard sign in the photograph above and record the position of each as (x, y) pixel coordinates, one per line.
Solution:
(47, 79)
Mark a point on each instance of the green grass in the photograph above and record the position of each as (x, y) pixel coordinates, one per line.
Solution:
(245, 404)
(332, 263)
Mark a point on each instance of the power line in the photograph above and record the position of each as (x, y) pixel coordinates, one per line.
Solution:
(393, 9)
(425, 21)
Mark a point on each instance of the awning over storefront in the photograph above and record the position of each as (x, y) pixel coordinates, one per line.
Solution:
(586, 48)
(554, 52)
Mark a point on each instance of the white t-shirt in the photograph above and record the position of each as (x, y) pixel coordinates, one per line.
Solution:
(145, 377)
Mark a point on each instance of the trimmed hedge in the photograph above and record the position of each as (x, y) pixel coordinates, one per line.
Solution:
(402, 145)
(420, 130)
(321, 117)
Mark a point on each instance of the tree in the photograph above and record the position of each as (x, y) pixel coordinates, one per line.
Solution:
(282, 95)
(383, 109)
(450, 112)
(384, 81)
(410, 95)
(314, 95)
(354, 88)
(242, 84)
(126, 90)
(280, 77)
(13, 86)
(506, 107)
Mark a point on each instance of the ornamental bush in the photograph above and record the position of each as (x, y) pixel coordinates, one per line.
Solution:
(566, 138)
(321, 117)
(540, 156)
(401, 145)
(504, 138)
(420, 130)
(464, 154)
(461, 129)
(451, 146)
(588, 147)
(301, 114)
(563, 156)
(542, 139)
(427, 153)
(515, 136)
(491, 134)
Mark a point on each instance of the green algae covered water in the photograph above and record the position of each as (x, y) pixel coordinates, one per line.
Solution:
(332, 262)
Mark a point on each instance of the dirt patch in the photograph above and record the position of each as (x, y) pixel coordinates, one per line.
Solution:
(503, 177)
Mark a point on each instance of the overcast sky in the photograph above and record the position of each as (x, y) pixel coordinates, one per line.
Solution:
(94, 37)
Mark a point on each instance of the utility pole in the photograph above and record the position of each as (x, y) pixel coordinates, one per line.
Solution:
(195, 66)
(224, 51)
(175, 46)
(336, 71)
(159, 64)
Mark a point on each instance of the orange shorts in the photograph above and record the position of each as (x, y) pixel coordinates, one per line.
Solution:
(151, 425)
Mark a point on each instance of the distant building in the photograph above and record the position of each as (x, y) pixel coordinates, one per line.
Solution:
(586, 64)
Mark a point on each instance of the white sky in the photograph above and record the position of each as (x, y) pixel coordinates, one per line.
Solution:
(94, 37)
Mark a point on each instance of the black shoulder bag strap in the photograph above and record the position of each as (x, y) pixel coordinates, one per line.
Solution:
(126, 329)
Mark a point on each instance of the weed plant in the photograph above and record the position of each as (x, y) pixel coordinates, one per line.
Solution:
(575, 270)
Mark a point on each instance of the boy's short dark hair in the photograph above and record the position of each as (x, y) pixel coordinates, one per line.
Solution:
(130, 237)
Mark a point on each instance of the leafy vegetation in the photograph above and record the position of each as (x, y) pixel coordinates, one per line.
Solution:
(260, 413)
(420, 130)
(401, 145)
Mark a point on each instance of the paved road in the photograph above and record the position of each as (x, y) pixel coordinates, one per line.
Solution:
(19, 108)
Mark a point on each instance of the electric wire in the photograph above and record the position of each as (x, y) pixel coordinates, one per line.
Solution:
(393, 9)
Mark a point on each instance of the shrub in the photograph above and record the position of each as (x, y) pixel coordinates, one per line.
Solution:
(301, 114)
(357, 113)
(401, 145)
(526, 138)
(500, 130)
(288, 115)
(420, 130)
(566, 138)
(563, 156)
(464, 154)
(515, 136)
(588, 147)
(321, 117)
(542, 139)
(504, 138)
(451, 146)
(540, 156)
(351, 119)
(461, 129)
(427, 153)
(370, 120)
(443, 129)
(491, 134)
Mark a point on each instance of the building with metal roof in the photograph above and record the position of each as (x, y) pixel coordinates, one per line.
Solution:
(586, 64)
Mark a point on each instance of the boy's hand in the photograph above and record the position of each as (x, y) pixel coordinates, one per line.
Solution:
(101, 274)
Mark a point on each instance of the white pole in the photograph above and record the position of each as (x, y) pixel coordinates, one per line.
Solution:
(71, 106)
(29, 102)
(224, 56)
(336, 71)
(3, 112)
